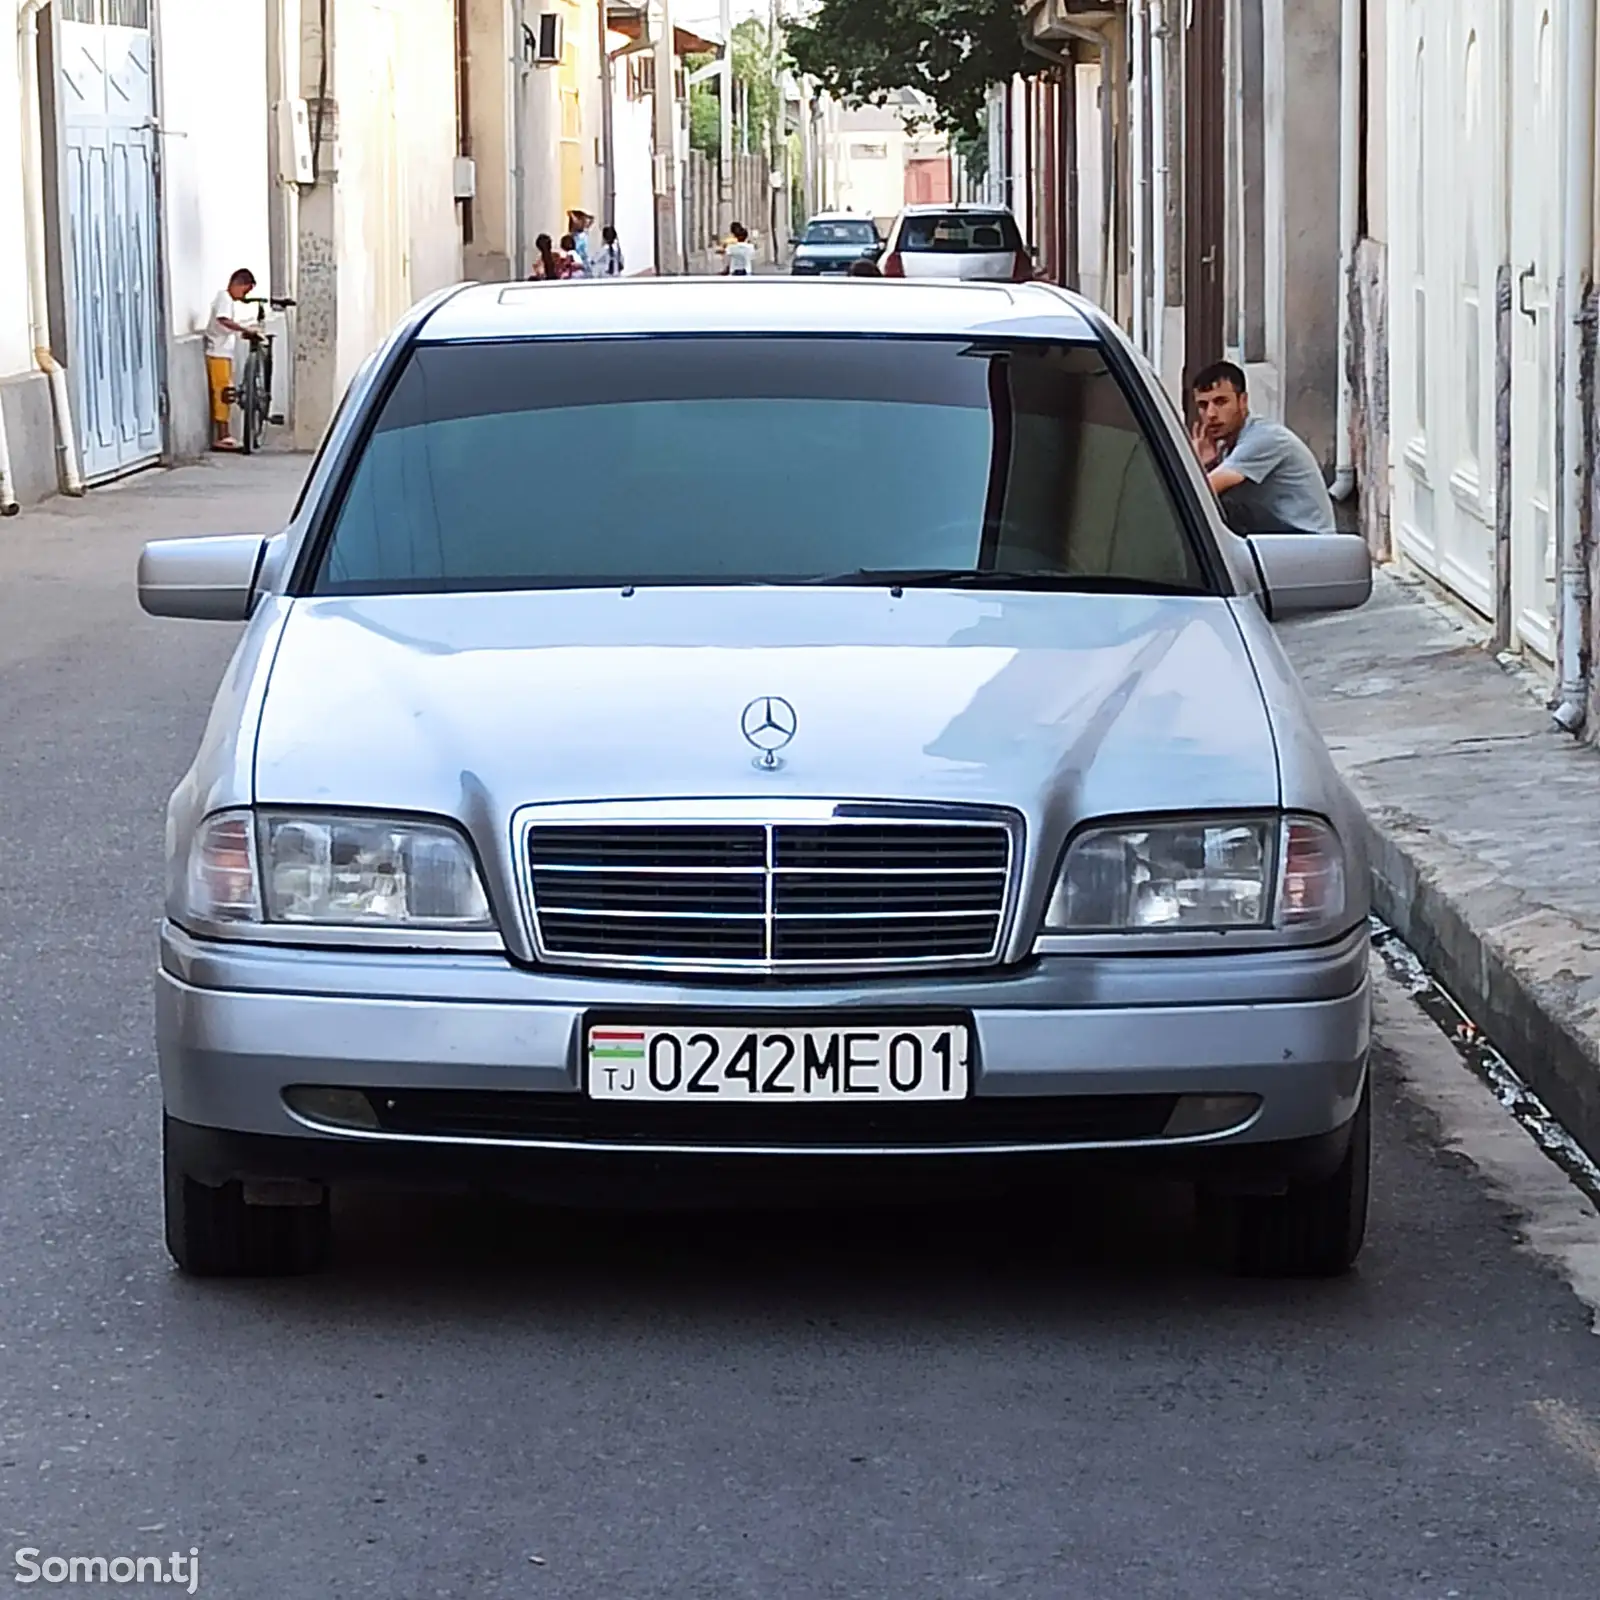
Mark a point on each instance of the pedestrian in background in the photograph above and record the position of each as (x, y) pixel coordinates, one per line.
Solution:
(865, 269)
(546, 263)
(578, 226)
(610, 264)
(223, 332)
(571, 262)
(739, 258)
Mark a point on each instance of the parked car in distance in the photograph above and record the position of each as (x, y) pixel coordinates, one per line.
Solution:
(834, 242)
(629, 851)
(974, 243)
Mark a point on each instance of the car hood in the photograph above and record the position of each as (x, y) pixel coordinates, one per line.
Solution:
(1061, 706)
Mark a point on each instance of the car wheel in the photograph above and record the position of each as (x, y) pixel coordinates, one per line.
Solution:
(213, 1233)
(1314, 1231)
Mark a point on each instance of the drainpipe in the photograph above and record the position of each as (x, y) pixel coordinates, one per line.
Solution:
(1138, 101)
(1344, 475)
(69, 472)
(608, 123)
(1578, 252)
(519, 165)
(1159, 178)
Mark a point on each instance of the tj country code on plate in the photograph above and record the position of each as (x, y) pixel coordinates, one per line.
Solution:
(783, 1065)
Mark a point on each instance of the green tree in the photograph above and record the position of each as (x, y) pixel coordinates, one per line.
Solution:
(758, 65)
(757, 68)
(705, 125)
(973, 148)
(952, 50)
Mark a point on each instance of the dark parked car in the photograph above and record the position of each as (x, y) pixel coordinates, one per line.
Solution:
(834, 243)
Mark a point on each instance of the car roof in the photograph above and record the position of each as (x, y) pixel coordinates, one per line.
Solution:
(924, 209)
(777, 305)
(840, 216)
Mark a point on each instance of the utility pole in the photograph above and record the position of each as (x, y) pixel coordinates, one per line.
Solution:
(808, 153)
(725, 108)
(608, 125)
(666, 139)
(776, 144)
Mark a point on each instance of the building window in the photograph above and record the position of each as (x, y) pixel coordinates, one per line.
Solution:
(115, 13)
(641, 75)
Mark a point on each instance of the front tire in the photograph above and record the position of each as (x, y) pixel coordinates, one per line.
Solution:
(253, 405)
(1315, 1230)
(213, 1233)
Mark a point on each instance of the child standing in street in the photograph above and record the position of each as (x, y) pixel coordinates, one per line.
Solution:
(739, 259)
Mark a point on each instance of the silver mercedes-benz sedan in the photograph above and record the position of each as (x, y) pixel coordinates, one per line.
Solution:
(808, 736)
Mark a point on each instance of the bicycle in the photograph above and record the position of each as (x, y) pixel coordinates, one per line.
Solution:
(253, 393)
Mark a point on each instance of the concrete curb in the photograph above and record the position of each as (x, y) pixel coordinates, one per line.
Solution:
(1482, 826)
(1505, 961)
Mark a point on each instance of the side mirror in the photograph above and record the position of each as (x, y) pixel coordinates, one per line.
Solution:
(209, 580)
(1304, 573)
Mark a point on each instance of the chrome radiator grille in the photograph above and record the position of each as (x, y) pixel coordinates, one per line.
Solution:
(838, 894)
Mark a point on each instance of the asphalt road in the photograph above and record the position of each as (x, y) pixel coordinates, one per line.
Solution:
(476, 1403)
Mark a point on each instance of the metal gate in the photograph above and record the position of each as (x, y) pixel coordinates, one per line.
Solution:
(106, 76)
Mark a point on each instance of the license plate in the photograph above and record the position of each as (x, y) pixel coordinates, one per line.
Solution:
(780, 1065)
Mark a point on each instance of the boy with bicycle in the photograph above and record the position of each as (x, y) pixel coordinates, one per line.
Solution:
(223, 331)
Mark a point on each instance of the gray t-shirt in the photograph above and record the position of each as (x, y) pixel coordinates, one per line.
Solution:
(1283, 491)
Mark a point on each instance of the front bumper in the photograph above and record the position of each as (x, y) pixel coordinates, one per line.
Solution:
(239, 1025)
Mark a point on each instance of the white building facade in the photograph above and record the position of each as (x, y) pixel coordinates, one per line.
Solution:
(148, 149)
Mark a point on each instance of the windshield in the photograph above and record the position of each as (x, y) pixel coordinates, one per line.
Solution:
(579, 463)
(961, 233)
(841, 233)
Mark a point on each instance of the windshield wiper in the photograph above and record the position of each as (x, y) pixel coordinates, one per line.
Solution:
(1039, 580)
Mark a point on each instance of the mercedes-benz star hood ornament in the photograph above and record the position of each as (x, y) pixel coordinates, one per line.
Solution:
(769, 724)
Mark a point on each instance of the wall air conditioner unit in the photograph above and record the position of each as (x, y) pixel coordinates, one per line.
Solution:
(549, 38)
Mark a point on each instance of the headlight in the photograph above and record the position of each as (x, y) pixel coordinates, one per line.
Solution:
(1199, 874)
(335, 872)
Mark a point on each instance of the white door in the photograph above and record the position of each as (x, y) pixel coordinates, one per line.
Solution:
(1536, 163)
(1415, 163)
(1446, 258)
(1469, 211)
(108, 161)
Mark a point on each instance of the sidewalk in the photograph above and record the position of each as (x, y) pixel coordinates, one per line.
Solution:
(1484, 827)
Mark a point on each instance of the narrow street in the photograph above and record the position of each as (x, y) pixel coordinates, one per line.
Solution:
(481, 1400)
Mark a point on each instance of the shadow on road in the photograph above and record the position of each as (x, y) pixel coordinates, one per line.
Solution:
(1047, 1265)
